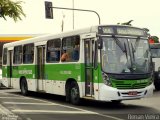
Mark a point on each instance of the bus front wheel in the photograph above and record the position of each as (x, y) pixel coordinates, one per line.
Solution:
(74, 93)
(24, 87)
(157, 86)
(116, 101)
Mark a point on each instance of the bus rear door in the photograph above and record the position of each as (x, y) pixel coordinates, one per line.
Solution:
(9, 69)
(40, 68)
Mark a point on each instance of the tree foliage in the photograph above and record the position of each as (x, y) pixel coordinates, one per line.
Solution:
(11, 9)
(155, 39)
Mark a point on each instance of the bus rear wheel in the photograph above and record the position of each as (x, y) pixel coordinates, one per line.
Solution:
(24, 87)
(74, 93)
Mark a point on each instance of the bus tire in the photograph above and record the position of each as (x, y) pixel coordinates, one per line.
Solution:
(74, 93)
(24, 87)
(157, 86)
(67, 93)
(116, 101)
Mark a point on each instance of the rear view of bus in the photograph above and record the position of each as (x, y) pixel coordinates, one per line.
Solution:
(155, 51)
(126, 63)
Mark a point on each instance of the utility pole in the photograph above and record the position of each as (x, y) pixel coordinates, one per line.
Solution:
(73, 13)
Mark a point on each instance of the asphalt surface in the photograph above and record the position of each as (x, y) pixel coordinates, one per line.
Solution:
(39, 106)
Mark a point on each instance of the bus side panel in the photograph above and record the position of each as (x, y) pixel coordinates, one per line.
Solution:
(5, 76)
(27, 71)
(57, 74)
(82, 81)
(97, 77)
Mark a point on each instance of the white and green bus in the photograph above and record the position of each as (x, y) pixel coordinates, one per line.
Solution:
(105, 63)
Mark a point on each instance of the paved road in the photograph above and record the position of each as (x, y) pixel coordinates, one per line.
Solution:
(36, 106)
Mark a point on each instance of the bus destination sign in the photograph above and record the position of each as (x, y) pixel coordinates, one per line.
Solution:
(130, 31)
(121, 30)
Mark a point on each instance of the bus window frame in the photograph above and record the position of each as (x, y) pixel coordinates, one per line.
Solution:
(32, 44)
(53, 40)
(20, 55)
(4, 56)
(74, 38)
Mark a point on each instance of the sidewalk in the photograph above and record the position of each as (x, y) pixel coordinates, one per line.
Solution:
(2, 86)
(6, 114)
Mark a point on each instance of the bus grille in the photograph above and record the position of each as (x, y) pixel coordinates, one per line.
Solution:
(130, 85)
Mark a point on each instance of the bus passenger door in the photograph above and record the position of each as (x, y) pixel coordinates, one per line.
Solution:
(88, 55)
(9, 70)
(40, 68)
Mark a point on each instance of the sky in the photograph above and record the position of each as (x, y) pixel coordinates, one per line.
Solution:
(144, 13)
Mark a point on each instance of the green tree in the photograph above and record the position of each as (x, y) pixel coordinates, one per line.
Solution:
(11, 9)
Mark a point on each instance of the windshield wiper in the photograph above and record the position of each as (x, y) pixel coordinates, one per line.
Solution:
(125, 51)
(119, 44)
(136, 44)
(133, 51)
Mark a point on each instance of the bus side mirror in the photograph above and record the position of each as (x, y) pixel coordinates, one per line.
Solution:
(100, 43)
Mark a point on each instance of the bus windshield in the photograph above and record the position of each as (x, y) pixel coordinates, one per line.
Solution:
(125, 55)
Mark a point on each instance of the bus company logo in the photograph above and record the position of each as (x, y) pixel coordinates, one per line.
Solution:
(66, 72)
(25, 71)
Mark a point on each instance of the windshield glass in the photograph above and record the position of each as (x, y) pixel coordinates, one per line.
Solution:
(155, 53)
(123, 55)
(115, 56)
(140, 54)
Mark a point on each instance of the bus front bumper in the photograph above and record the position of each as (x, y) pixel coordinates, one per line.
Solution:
(109, 93)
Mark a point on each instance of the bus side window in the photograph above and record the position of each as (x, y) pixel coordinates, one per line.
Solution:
(53, 50)
(4, 56)
(17, 58)
(71, 46)
(28, 53)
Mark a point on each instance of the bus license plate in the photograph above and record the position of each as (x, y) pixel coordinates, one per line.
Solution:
(132, 93)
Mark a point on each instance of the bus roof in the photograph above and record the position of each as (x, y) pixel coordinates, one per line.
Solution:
(60, 35)
(51, 36)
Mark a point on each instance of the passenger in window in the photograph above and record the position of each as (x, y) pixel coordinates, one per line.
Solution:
(65, 56)
(75, 55)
